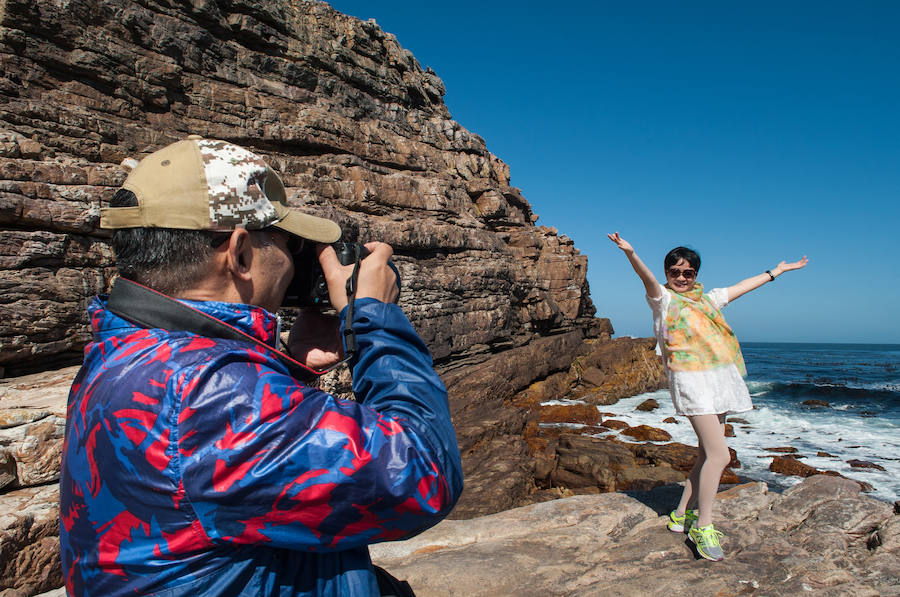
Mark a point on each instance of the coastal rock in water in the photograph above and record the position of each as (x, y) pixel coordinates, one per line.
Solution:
(681, 458)
(864, 465)
(814, 539)
(783, 450)
(647, 433)
(583, 414)
(647, 405)
(789, 465)
(816, 403)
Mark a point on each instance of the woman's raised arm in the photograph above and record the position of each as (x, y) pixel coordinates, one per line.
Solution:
(745, 286)
(643, 272)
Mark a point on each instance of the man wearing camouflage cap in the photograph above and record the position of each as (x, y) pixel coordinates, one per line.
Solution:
(196, 462)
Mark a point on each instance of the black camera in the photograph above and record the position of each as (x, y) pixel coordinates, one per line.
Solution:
(308, 287)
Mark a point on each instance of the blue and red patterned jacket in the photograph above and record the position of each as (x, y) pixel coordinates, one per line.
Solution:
(197, 466)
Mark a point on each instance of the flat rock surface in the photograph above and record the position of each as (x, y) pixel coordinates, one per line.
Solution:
(47, 391)
(821, 537)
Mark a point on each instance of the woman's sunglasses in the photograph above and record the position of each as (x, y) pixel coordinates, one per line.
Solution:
(689, 274)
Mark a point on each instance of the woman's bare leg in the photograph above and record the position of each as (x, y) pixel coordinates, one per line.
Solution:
(688, 496)
(703, 481)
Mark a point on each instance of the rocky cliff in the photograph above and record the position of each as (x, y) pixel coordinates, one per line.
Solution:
(357, 129)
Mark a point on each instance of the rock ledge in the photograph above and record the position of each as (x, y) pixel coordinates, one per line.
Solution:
(821, 537)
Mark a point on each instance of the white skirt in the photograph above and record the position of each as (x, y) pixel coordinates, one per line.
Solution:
(710, 392)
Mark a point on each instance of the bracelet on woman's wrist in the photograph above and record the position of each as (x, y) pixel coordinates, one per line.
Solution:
(771, 275)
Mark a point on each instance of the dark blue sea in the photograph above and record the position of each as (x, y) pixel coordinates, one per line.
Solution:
(860, 420)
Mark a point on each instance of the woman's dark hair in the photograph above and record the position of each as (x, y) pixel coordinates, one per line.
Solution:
(165, 259)
(679, 253)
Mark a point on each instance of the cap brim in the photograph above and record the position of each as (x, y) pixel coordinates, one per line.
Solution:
(309, 227)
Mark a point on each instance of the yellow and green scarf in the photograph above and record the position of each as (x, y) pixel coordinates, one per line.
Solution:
(697, 337)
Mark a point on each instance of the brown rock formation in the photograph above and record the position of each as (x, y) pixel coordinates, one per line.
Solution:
(647, 433)
(582, 414)
(356, 127)
(816, 403)
(647, 405)
(864, 465)
(783, 449)
(579, 462)
(506, 453)
(789, 465)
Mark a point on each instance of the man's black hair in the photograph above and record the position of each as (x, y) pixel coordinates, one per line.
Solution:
(679, 253)
(165, 259)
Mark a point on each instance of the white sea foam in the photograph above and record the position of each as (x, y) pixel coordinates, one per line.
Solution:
(562, 402)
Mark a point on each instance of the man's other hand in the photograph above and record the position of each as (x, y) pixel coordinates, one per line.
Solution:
(315, 339)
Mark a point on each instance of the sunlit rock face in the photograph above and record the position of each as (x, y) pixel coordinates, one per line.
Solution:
(356, 127)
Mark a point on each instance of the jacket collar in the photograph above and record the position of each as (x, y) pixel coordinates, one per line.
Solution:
(256, 321)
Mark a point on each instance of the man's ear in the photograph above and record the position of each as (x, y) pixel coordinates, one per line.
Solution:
(240, 254)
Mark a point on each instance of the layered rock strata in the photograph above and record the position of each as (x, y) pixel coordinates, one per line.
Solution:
(356, 127)
(32, 413)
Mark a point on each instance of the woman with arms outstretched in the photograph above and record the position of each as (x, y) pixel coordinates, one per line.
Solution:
(705, 370)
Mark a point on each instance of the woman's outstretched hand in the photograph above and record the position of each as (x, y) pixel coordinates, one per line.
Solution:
(650, 284)
(786, 267)
(624, 244)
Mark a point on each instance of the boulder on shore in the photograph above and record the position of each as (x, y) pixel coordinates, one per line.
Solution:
(821, 537)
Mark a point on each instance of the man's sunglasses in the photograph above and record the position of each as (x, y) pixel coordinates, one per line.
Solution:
(294, 243)
(689, 274)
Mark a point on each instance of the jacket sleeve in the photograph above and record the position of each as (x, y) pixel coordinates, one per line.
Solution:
(266, 460)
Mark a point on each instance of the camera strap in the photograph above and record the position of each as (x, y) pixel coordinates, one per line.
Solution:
(350, 345)
(148, 308)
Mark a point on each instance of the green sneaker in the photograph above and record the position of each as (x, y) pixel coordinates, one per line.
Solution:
(680, 524)
(706, 539)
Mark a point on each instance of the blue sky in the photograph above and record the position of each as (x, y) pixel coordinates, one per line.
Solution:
(752, 132)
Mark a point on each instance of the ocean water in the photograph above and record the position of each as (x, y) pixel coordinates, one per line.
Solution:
(859, 382)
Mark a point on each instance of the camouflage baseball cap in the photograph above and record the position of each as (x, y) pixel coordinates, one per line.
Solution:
(203, 184)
